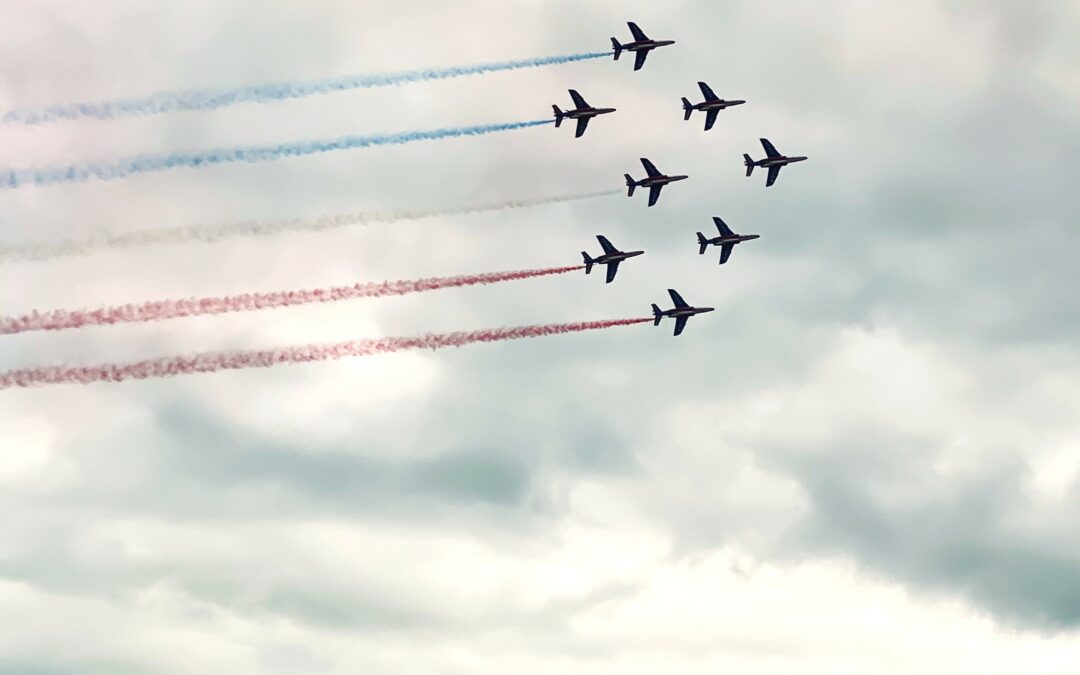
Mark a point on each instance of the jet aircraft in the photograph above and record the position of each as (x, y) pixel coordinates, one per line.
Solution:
(726, 241)
(773, 161)
(681, 312)
(641, 46)
(712, 105)
(655, 181)
(611, 257)
(582, 112)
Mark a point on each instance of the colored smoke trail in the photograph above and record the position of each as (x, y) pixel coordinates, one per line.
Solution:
(172, 309)
(167, 102)
(216, 232)
(122, 168)
(215, 361)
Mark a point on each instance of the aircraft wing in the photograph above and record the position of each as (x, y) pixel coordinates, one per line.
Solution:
(639, 58)
(638, 34)
(774, 171)
(582, 123)
(680, 324)
(606, 245)
(677, 299)
(725, 252)
(612, 268)
(650, 168)
(770, 149)
(707, 92)
(710, 118)
(654, 194)
(579, 102)
(722, 227)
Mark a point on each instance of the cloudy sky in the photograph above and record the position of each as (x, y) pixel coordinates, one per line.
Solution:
(866, 461)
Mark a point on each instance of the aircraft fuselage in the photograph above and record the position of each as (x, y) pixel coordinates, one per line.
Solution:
(587, 112)
(737, 239)
(716, 105)
(650, 181)
(609, 258)
(779, 161)
(639, 45)
(686, 311)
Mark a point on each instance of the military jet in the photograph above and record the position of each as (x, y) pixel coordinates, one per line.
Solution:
(611, 257)
(726, 241)
(641, 45)
(773, 161)
(712, 105)
(655, 181)
(680, 313)
(583, 112)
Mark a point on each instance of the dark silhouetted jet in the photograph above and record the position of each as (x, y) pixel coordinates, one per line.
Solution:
(611, 257)
(726, 241)
(655, 181)
(582, 112)
(641, 45)
(712, 105)
(680, 313)
(773, 161)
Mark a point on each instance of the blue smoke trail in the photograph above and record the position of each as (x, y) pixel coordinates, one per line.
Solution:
(167, 102)
(121, 168)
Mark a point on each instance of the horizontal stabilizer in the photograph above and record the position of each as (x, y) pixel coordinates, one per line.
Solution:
(656, 315)
(687, 108)
(558, 115)
(630, 184)
(617, 47)
(703, 243)
(589, 262)
(749, 164)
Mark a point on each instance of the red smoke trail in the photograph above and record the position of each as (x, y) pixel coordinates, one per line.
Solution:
(214, 361)
(59, 319)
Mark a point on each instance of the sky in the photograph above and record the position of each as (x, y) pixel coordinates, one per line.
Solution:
(867, 460)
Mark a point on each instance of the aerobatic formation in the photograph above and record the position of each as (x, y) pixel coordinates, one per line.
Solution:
(581, 113)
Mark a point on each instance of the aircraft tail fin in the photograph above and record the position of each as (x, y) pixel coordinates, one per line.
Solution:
(687, 108)
(558, 115)
(589, 262)
(749, 164)
(630, 184)
(656, 315)
(703, 243)
(617, 47)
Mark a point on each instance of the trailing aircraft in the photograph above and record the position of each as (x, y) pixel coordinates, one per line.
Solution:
(681, 312)
(773, 161)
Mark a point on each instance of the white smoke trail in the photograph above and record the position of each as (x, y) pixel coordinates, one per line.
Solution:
(253, 228)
